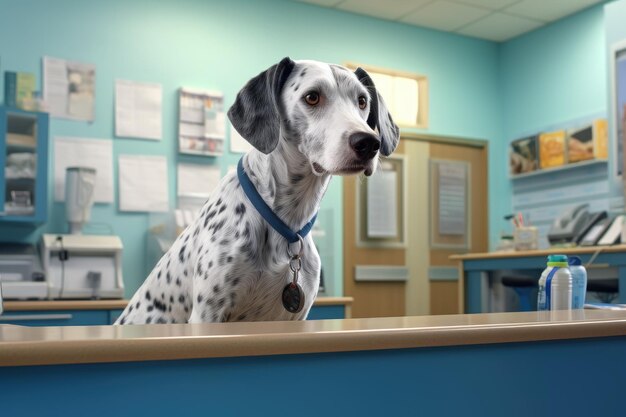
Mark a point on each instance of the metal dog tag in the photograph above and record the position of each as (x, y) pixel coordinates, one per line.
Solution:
(293, 296)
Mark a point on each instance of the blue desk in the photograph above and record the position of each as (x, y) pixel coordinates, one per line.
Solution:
(476, 267)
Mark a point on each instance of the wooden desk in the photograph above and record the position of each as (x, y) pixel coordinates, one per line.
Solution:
(476, 364)
(474, 269)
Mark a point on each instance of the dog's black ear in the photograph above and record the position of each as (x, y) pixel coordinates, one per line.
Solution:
(379, 116)
(257, 111)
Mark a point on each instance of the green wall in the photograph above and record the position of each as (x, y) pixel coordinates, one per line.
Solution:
(220, 45)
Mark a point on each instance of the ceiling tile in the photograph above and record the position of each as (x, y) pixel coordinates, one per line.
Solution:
(488, 4)
(445, 15)
(323, 3)
(548, 10)
(388, 9)
(499, 27)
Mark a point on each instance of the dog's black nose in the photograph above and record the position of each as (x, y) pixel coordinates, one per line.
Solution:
(364, 144)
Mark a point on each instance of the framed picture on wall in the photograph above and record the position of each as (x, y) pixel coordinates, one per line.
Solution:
(618, 70)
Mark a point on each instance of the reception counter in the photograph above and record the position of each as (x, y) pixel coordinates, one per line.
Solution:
(475, 269)
(513, 364)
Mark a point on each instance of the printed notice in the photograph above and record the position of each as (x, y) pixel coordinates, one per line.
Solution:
(143, 183)
(69, 88)
(382, 205)
(452, 198)
(197, 180)
(138, 110)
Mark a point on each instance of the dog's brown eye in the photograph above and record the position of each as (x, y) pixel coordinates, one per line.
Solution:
(362, 102)
(312, 98)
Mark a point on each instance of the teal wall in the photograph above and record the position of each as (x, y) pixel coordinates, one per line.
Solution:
(220, 45)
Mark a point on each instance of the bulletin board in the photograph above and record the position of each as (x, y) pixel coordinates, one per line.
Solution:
(450, 204)
(381, 206)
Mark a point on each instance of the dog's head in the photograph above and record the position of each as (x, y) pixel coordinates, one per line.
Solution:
(333, 116)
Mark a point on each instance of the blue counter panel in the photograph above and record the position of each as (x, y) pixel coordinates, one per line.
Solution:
(560, 378)
(57, 318)
(326, 312)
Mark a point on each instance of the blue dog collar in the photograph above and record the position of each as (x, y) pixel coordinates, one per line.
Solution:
(266, 212)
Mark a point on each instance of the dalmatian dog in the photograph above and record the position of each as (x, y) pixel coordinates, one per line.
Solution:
(307, 121)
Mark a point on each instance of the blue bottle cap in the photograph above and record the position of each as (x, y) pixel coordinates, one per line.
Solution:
(574, 261)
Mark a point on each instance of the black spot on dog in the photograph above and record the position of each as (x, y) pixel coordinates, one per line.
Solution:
(171, 298)
(181, 298)
(213, 239)
(122, 320)
(148, 297)
(241, 317)
(185, 273)
(292, 84)
(237, 235)
(303, 73)
(168, 277)
(218, 203)
(222, 209)
(181, 254)
(199, 269)
(138, 304)
(200, 298)
(130, 308)
(210, 264)
(170, 309)
(150, 308)
(163, 295)
(266, 236)
(224, 242)
(187, 238)
(178, 282)
(149, 320)
(219, 225)
(210, 302)
(229, 259)
(296, 178)
(235, 281)
(240, 209)
(186, 309)
(296, 88)
(160, 306)
(215, 316)
(209, 217)
(216, 288)
(221, 302)
(159, 275)
(161, 320)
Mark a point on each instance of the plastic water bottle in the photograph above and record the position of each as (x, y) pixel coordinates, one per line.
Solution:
(579, 281)
(555, 285)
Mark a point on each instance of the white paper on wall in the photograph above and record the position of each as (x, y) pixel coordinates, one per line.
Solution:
(83, 152)
(138, 110)
(197, 180)
(143, 183)
(452, 198)
(69, 88)
(382, 205)
(237, 143)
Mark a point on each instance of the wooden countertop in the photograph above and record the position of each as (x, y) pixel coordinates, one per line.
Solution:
(542, 252)
(120, 304)
(90, 344)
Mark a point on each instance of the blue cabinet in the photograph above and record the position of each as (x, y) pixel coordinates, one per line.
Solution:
(24, 158)
(57, 318)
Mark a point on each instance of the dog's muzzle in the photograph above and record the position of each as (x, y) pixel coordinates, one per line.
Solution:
(365, 145)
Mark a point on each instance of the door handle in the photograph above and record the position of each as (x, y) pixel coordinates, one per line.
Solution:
(33, 317)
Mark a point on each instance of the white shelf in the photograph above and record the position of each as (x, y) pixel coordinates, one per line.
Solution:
(566, 167)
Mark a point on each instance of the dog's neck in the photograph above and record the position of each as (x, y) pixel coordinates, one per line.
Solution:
(285, 181)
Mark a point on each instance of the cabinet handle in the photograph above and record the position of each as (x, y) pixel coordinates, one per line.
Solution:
(32, 317)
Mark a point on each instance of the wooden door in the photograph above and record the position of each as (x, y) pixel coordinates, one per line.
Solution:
(424, 292)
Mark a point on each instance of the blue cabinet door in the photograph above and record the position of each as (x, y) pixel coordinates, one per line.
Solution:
(23, 180)
(327, 312)
(56, 318)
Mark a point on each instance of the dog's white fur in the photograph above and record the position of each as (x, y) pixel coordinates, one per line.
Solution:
(230, 265)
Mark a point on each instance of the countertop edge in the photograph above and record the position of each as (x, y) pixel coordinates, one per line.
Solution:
(50, 305)
(201, 347)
